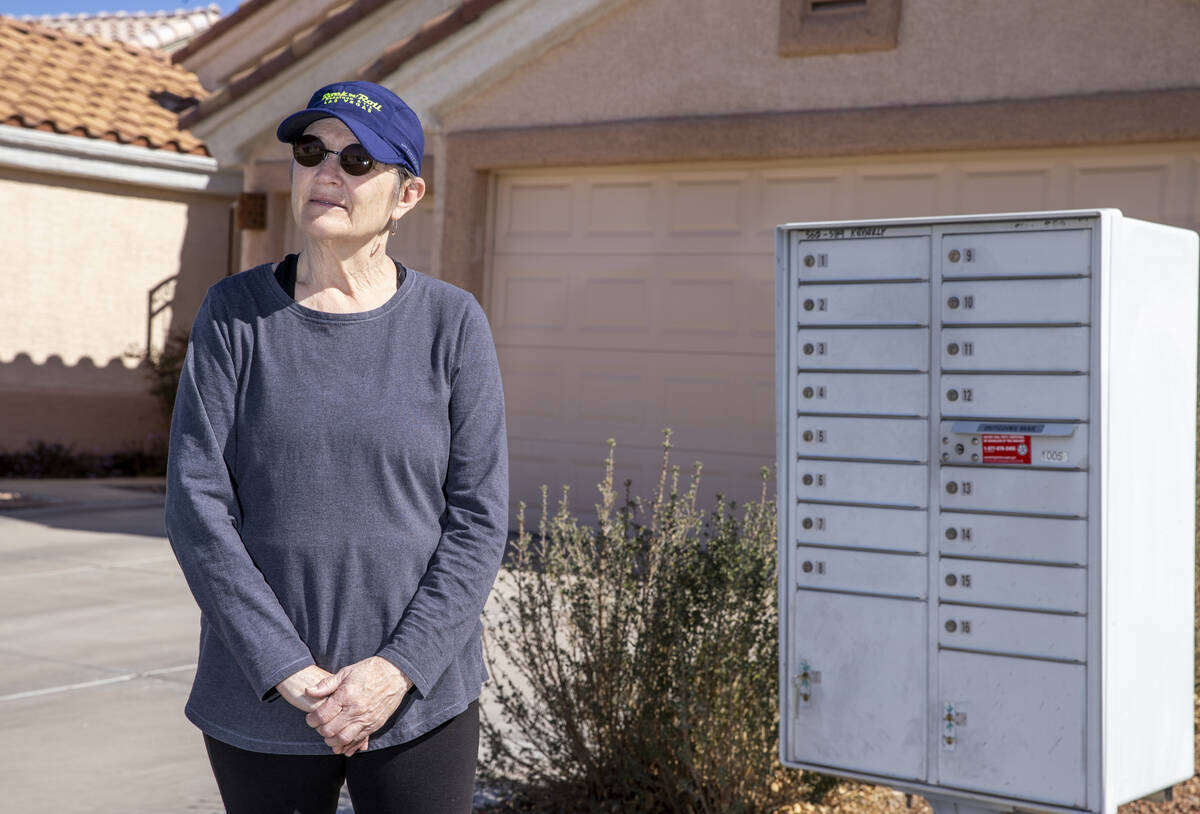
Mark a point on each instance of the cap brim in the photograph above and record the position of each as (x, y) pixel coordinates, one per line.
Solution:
(294, 125)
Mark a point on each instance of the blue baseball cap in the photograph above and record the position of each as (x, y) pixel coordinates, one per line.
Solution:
(379, 119)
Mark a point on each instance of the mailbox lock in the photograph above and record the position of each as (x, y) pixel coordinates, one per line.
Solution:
(807, 480)
(809, 260)
(952, 488)
(807, 523)
(952, 303)
(959, 449)
(951, 580)
(809, 305)
(951, 626)
(952, 349)
(954, 256)
(808, 349)
(807, 392)
(951, 534)
(808, 436)
(951, 395)
(807, 567)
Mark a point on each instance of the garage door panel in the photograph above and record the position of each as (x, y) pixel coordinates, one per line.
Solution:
(567, 394)
(580, 465)
(702, 206)
(794, 198)
(1004, 191)
(1140, 192)
(622, 207)
(710, 304)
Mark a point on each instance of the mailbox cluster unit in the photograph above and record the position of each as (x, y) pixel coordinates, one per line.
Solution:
(986, 440)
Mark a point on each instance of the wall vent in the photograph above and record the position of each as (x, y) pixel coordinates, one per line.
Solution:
(812, 27)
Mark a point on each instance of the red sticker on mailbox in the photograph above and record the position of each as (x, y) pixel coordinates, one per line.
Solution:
(1006, 449)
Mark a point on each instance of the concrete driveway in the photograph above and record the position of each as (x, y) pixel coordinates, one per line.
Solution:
(98, 636)
(97, 651)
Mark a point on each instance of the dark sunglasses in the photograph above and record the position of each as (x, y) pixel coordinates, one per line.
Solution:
(309, 151)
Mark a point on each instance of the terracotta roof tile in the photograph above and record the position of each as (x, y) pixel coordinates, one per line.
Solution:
(62, 82)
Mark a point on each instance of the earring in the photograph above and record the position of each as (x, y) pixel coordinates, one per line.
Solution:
(395, 224)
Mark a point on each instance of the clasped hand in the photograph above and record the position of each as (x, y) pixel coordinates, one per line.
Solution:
(347, 706)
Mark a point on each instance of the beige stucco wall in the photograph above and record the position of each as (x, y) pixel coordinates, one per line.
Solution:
(657, 58)
(85, 262)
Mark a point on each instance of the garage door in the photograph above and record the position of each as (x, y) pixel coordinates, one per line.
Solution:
(629, 300)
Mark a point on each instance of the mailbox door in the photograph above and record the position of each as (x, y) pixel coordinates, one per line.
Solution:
(1016, 302)
(861, 527)
(904, 485)
(1017, 727)
(1061, 398)
(890, 304)
(1008, 489)
(1066, 252)
(881, 439)
(1034, 539)
(883, 394)
(1019, 633)
(872, 572)
(1012, 585)
(1054, 350)
(866, 661)
(896, 258)
(863, 349)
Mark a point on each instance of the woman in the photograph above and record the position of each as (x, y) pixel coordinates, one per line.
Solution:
(337, 493)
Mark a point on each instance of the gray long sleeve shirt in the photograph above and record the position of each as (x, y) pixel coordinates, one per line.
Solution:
(337, 488)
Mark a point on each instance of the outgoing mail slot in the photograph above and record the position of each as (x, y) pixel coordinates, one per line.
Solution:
(872, 349)
(894, 394)
(1008, 443)
(1041, 539)
(866, 572)
(861, 527)
(1027, 491)
(1037, 635)
(884, 439)
(1017, 349)
(1027, 587)
(897, 258)
(884, 304)
(878, 484)
(1064, 253)
(1018, 302)
(1052, 398)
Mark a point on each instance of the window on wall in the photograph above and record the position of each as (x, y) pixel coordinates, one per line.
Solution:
(809, 27)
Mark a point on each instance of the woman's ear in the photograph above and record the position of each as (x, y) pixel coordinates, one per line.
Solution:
(412, 191)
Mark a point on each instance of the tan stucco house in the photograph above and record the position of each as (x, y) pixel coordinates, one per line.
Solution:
(115, 221)
(606, 174)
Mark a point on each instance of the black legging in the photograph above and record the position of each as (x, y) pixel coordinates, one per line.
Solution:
(434, 774)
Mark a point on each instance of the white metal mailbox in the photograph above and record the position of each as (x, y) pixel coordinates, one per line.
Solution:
(986, 439)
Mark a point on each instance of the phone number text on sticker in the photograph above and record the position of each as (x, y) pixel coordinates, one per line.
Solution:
(1006, 449)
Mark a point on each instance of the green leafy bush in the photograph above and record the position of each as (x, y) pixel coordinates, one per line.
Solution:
(163, 368)
(641, 658)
